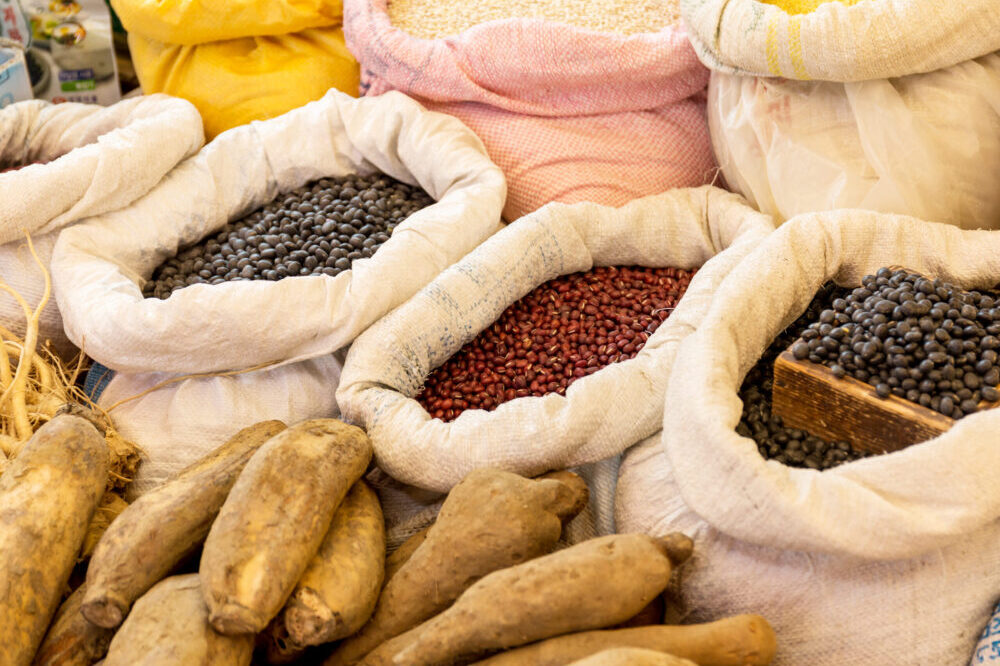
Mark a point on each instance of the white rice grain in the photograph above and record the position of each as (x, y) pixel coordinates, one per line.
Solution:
(432, 19)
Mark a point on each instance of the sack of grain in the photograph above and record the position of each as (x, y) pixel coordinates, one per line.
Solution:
(926, 145)
(83, 160)
(101, 265)
(886, 106)
(892, 559)
(599, 415)
(239, 60)
(621, 119)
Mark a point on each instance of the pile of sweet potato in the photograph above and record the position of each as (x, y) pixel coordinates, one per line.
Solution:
(273, 549)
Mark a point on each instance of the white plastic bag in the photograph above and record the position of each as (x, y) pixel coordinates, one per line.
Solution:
(926, 145)
(97, 159)
(99, 266)
(180, 422)
(840, 40)
(889, 560)
(601, 414)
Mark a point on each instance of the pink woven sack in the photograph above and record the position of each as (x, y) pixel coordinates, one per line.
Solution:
(568, 114)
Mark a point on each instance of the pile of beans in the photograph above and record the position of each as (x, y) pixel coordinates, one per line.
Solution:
(924, 340)
(565, 329)
(431, 19)
(318, 229)
(790, 446)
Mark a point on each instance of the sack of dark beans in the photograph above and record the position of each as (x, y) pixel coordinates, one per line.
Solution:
(548, 346)
(247, 238)
(820, 536)
(265, 254)
(60, 163)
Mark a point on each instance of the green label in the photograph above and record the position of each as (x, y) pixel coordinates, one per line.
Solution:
(74, 86)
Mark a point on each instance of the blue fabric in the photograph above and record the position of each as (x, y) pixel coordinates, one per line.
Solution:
(97, 380)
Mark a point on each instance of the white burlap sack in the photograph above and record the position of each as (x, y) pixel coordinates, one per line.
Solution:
(926, 145)
(843, 40)
(180, 422)
(100, 265)
(97, 159)
(889, 560)
(601, 414)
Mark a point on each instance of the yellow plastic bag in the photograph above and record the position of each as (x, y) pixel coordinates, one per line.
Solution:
(236, 81)
(197, 22)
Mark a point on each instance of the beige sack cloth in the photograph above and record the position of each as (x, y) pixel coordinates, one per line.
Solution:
(890, 560)
(600, 415)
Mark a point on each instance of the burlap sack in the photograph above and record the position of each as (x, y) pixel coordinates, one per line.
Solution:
(99, 266)
(889, 560)
(601, 414)
(94, 159)
(842, 40)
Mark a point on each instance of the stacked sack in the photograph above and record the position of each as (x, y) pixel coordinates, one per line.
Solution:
(592, 421)
(239, 61)
(62, 163)
(607, 112)
(267, 346)
(887, 106)
(892, 559)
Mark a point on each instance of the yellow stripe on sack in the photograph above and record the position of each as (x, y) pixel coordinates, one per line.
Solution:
(795, 48)
(804, 6)
(773, 64)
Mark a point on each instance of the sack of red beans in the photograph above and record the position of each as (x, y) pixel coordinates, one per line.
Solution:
(549, 345)
(60, 163)
(581, 108)
(888, 559)
(243, 260)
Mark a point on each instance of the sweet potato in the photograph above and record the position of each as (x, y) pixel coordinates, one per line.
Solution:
(163, 527)
(274, 520)
(337, 593)
(651, 614)
(48, 495)
(593, 584)
(168, 626)
(742, 640)
(72, 640)
(490, 520)
(633, 657)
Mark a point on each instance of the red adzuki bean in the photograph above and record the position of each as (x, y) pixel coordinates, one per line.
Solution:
(564, 330)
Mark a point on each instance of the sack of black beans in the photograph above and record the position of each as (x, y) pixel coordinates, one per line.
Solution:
(357, 202)
(576, 100)
(60, 163)
(543, 348)
(889, 559)
(886, 106)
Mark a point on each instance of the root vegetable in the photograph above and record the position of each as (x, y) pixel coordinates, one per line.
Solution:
(576, 501)
(633, 657)
(597, 583)
(164, 526)
(489, 521)
(48, 494)
(402, 555)
(168, 626)
(742, 640)
(72, 640)
(276, 646)
(651, 614)
(337, 593)
(274, 520)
